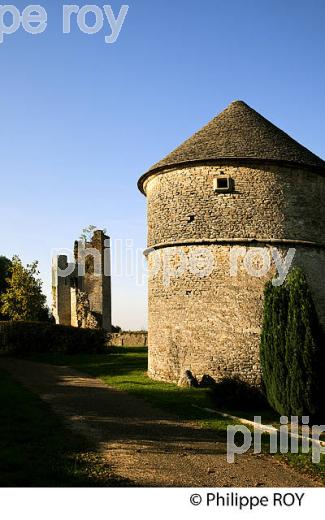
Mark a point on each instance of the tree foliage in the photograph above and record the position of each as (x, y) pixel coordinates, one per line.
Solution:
(5, 264)
(292, 350)
(23, 298)
(88, 232)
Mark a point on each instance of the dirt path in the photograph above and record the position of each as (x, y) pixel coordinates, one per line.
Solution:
(143, 444)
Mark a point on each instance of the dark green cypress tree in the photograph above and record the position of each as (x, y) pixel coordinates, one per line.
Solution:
(304, 348)
(292, 350)
(273, 346)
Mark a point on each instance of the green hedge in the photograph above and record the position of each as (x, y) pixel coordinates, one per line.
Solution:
(292, 349)
(35, 337)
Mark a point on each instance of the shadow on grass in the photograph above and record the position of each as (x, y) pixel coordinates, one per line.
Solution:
(36, 449)
(124, 368)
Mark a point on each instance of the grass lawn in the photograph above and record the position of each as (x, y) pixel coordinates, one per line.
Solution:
(125, 369)
(37, 450)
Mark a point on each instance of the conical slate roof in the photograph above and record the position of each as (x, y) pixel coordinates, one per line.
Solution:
(239, 132)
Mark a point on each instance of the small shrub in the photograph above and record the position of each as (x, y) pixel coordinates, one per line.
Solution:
(116, 329)
(233, 393)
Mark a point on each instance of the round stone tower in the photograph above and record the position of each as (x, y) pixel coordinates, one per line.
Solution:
(235, 205)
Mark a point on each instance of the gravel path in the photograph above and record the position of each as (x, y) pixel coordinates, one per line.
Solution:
(144, 444)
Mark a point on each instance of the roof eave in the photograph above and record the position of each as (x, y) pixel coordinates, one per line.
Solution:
(230, 160)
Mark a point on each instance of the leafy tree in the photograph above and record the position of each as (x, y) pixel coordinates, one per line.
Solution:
(292, 350)
(4, 273)
(23, 299)
(5, 264)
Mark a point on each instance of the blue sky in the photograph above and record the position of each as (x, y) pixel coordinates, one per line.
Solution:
(81, 120)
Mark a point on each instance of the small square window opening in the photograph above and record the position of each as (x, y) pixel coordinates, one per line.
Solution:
(223, 184)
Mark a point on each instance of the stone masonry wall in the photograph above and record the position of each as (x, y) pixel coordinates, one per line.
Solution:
(269, 202)
(61, 306)
(97, 286)
(212, 324)
(83, 297)
(128, 339)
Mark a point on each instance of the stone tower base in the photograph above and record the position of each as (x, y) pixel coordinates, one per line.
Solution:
(212, 324)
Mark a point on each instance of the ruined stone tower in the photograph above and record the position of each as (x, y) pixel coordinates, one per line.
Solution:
(238, 192)
(81, 290)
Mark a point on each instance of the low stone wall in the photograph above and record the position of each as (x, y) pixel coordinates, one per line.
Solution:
(128, 339)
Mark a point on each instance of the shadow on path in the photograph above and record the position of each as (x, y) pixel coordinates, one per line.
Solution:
(144, 444)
